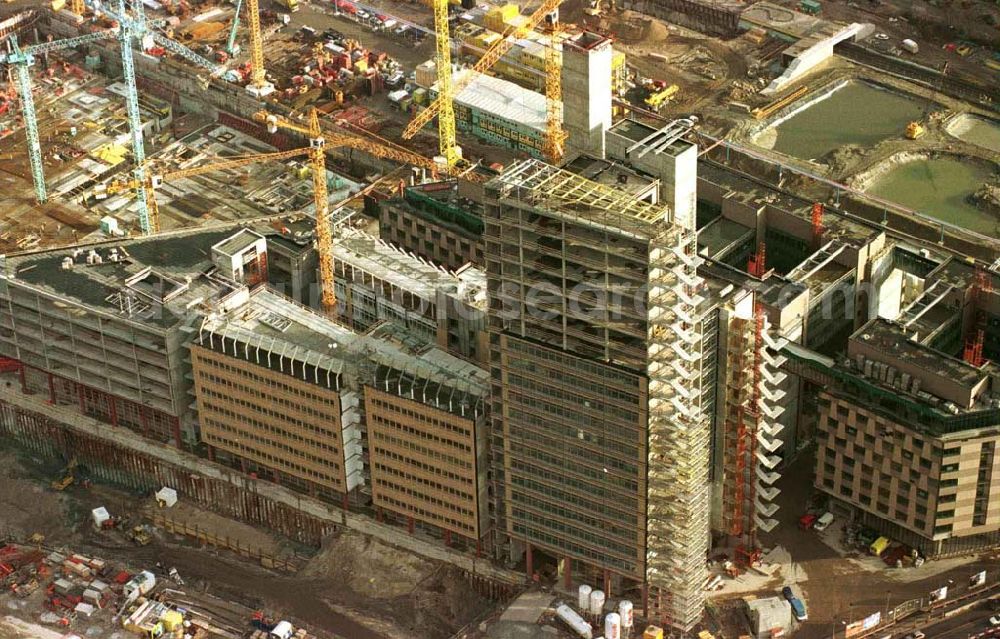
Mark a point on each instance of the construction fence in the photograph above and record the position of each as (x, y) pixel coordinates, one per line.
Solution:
(205, 538)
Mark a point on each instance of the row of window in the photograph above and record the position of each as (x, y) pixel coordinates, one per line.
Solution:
(298, 405)
(395, 470)
(376, 437)
(425, 515)
(521, 429)
(376, 420)
(246, 407)
(256, 436)
(418, 495)
(422, 416)
(269, 459)
(606, 527)
(434, 469)
(570, 467)
(220, 362)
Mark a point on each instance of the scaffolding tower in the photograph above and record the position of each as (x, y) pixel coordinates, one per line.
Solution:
(753, 408)
(679, 491)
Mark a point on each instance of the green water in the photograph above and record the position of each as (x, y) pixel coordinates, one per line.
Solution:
(937, 188)
(858, 113)
(979, 131)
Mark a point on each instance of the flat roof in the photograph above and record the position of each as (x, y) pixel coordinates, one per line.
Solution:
(893, 339)
(280, 326)
(148, 280)
(560, 190)
(406, 270)
(503, 99)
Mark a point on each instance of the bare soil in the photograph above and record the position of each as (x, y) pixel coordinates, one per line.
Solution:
(353, 588)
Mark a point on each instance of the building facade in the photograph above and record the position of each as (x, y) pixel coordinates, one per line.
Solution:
(601, 444)
(911, 448)
(435, 222)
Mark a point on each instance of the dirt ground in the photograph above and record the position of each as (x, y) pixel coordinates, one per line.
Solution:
(352, 588)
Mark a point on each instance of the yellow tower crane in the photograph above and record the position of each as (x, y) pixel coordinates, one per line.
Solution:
(491, 57)
(555, 136)
(317, 164)
(259, 86)
(447, 143)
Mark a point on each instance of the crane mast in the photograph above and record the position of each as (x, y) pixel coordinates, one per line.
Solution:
(446, 111)
(555, 136)
(231, 47)
(324, 237)
(22, 73)
(259, 86)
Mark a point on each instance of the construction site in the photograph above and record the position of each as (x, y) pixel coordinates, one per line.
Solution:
(460, 319)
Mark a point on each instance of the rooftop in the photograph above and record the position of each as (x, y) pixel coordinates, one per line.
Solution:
(280, 326)
(408, 271)
(891, 339)
(544, 185)
(503, 99)
(151, 280)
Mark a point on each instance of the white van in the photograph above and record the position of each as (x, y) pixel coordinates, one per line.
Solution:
(824, 521)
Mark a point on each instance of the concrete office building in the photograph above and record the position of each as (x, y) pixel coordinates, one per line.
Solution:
(377, 282)
(382, 418)
(105, 328)
(601, 443)
(436, 222)
(909, 421)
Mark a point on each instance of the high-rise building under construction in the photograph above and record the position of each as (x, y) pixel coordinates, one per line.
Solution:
(601, 444)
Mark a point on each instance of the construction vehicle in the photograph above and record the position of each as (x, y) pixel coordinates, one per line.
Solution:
(66, 477)
(288, 5)
(658, 97)
(916, 129)
(138, 535)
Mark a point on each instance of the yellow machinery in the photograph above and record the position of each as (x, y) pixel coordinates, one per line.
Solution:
(555, 136)
(258, 78)
(447, 143)
(492, 55)
(914, 130)
(317, 163)
(656, 99)
(763, 112)
(67, 476)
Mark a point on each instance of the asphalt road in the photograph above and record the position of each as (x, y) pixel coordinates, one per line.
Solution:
(961, 626)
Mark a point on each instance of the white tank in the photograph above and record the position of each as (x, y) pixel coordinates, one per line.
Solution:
(583, 598)
(625, 612)
(613, 626)
(597, 603)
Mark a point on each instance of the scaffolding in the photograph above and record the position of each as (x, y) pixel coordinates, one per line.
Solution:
(679, 491)
(753, 406)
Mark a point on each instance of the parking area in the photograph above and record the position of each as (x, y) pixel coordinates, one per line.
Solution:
(839, 581)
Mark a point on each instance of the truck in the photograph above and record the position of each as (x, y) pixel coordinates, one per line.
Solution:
(289, 5)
